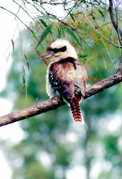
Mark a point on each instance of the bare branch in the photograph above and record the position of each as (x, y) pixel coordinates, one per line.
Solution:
(119, 32)
(50, 104)
(120, 67)
(103, 85)
(56, 102)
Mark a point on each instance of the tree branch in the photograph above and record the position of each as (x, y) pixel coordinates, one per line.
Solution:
(55, 102)
(119, 32)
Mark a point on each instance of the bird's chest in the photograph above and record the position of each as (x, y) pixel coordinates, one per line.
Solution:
(59, 74)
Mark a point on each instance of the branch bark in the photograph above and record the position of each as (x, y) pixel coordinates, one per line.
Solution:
(55, 102)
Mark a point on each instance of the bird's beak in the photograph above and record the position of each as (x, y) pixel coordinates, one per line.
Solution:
(47, 55)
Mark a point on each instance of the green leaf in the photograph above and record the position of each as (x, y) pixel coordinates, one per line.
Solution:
(72, 16)
(36, 26)
(12, 44)
(59, 33)
(63, 32)
(43, 22)
(106, 24)
(27, 61)
(48, 17)
(71, 33)
(91, 52)
(25, 57)
(34, 34)
(23, 74)
(101, 12)
(65, 3)
(45, 33)
(100, 42)
(94, 64)
(82, 56)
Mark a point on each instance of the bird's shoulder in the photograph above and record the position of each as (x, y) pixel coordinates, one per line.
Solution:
(63, 63)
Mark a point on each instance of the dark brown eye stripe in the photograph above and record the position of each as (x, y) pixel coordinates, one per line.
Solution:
(62, 49)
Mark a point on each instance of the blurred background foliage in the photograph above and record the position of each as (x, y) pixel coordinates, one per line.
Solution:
(52, 144)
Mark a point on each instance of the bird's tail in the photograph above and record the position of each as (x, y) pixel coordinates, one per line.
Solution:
(76, 112)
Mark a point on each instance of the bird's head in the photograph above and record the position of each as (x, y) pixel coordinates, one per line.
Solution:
(58, 50)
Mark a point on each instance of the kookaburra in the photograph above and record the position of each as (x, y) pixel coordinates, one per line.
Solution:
(66, 75)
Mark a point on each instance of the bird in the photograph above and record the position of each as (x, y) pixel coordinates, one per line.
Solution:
(66, 76)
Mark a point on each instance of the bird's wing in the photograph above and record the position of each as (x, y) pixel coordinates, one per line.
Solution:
(62, 77)
(68, 77)
(81, 77)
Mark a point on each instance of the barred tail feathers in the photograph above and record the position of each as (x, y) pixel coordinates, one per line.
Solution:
(76, 112)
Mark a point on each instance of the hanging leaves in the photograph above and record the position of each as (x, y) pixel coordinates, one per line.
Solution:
(43, 22)
(27, 61)
(71, 33)
(44, 34)
(59, 32)
(106, 24)
(48, 17)
(94, 64)
(23, 78)
(101, 12)
(82, 56)
(12, 44)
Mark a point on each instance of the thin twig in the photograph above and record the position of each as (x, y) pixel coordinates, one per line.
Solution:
(24, 10)
(95, 28)
(108, 53)
(33, 5)
(20, 21)
(51, 3)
